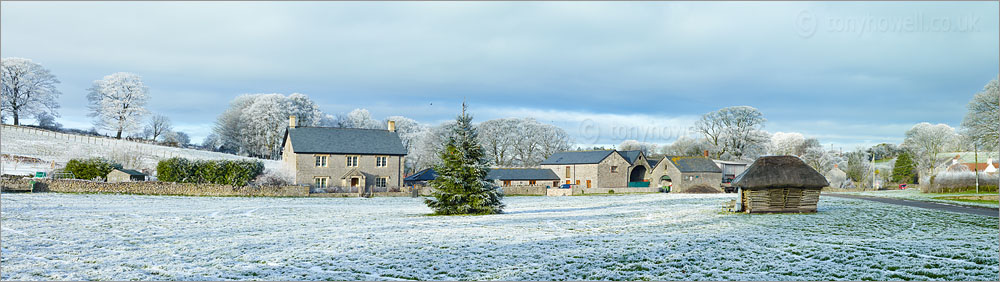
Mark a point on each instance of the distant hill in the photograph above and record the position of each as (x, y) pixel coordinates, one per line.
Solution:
(27, 150)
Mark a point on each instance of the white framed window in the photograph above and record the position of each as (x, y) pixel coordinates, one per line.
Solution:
(381, 181)
(321, 182)
(381, 161)
(321, 160)
(352, 161)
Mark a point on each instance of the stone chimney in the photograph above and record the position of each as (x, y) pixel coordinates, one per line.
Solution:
(392, 126)
(291, 121)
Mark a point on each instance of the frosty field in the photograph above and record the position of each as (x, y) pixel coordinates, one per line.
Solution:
(49, 236)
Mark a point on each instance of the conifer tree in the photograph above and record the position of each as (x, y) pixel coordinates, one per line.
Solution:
(461, 186)
(902, 171)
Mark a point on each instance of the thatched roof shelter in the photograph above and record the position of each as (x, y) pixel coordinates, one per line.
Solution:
(780, 172)
(779, 184)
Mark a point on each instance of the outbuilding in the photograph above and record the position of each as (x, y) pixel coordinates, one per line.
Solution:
(779, 184)
(125, 175)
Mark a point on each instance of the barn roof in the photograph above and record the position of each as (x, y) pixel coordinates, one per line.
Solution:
(577, 157)
(693, 164)
(331, 140)
(495, 174)
(521, 174)
(131, 172)
(630, 156)
(780, 172)
(423, 175)
(653, 162)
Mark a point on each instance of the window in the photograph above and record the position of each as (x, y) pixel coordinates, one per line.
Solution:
(588, 183)
(614, 169)
(567, 171)
(578, 182)
(531, 182)
(320, 182)
(352, 161)
(506, 183)
(381, 161)
(381, 181)
(321, 161)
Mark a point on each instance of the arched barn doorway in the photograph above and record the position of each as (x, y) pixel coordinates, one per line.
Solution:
(638, 174)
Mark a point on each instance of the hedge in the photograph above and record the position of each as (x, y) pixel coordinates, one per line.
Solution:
(91, 168)
(236, 173)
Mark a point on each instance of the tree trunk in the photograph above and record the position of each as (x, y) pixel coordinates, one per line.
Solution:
(119, 135)
(17, 120)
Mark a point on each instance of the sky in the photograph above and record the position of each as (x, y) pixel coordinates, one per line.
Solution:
(849, 74)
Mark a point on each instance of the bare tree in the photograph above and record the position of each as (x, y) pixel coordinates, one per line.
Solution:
(981, 123)
(157, 125)
(734, 132)
(28, 89)
(926, 141)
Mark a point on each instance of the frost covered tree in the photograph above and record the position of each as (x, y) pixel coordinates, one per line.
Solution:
(461, 186)
(429, 143)
(786, 143)
(410, 131)
(254, 124)
(634, 145)
(157, 125)
(359, 118)
(982, 121)
(925, 141)
(734, 132)
(28, 90)
(686, 146)
(118, 102)
(511, 142)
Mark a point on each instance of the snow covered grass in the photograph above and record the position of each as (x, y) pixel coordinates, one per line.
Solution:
(60, 148)
(916, 195)
(48, 236)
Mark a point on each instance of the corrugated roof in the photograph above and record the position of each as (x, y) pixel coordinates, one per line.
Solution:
(630, 156)
(577, 157)
(345, 141)
(522, 174)
(495, 174)
(693, 164)
(423, 175)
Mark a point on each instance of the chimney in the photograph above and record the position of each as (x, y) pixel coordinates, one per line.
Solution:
(392, 126)
(291, 121)
(706, 153)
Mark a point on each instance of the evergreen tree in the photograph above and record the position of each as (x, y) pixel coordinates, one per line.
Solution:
(903, 169)
(461, 186)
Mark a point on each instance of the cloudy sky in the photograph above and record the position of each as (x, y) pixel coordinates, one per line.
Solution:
(846, 73)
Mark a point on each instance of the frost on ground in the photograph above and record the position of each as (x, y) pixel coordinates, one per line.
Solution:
(48, 236)
(916, 195)
(59, 147)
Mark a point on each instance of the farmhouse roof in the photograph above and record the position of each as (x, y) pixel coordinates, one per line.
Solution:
(577, 157)
(330, 140)
(780, 172)
(693, 164)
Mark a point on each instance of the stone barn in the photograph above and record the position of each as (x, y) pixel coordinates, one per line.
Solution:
(779, 184)
(125, 175)
(686, 174)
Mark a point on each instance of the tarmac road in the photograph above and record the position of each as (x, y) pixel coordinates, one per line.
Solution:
(927, 205)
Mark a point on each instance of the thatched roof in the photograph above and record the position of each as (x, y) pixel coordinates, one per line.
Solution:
(780, 172)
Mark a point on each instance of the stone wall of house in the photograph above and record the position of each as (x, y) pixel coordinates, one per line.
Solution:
(550, 182)
(159, 188)
(608, 179)
(306, 169)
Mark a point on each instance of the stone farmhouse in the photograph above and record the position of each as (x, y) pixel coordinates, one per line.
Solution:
(686, 174)
(356, 159)
(601, 168)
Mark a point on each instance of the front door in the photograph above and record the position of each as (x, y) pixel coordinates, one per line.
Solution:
(354, 182)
